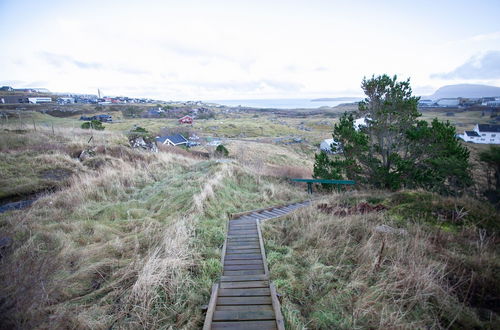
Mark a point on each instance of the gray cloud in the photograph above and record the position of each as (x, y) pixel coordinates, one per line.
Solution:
(206, 55)
(321, 69)
(60, 60)
(486, 66)
(247, 86)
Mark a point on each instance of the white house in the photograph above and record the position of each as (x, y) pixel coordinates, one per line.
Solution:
(327, 145)
(37, 100)
(482, 133)
(360, 122)
(173, 140)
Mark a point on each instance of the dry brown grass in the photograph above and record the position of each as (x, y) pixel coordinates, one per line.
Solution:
(132, 240)
(339, 272)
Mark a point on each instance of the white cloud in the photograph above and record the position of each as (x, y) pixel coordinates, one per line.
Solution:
(229, 49)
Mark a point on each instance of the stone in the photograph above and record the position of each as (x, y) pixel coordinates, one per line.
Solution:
(390, 230)
(138, 142)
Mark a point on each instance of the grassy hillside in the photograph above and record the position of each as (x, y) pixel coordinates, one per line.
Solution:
(339, 266)
(130, 240)
(123, 238)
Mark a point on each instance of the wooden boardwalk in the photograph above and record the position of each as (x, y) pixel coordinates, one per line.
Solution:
(245, 298)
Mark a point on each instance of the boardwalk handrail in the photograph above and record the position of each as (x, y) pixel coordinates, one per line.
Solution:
(324, 181)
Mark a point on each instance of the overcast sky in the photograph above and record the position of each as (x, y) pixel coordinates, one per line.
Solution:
(203, 50)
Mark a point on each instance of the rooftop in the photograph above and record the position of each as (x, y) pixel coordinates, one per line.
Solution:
(488, 128)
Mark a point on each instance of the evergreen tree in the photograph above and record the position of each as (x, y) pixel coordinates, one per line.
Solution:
(396, 150)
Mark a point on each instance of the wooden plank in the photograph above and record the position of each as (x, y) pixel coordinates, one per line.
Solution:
(244, 292)
(243, 308)
(244, 267)
(243, 237)
(260, 216)
(241, 285)
(242, 225)
(250, 233)
(256, 300)
(262, 250)
(241, 315)
(243, 262)
(280, 323)
(247, 221)
(242, 256)
(244, 278)
(242, 228)
(245, 213)
(236, 251)
(237, 239)
(211, 307)
(249, 240)
(269, 214)
(235, 247)
(243, 272)
(245, 325)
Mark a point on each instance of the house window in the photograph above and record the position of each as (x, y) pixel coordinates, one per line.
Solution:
(493, 135)
(483, 134)
(482, 139)
(492, 140)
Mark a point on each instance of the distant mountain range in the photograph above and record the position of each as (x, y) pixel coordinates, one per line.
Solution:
(464, 90)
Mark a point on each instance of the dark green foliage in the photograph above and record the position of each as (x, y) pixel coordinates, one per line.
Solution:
(492, 158)
(446, 212)
(396, 150)
(435, 159)
(140, 132)
(326, 168)
(221, 151)
(94, 124)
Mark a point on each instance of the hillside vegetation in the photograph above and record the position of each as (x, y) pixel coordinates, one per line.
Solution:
(129, 240)
(378, 260)
(126, 239)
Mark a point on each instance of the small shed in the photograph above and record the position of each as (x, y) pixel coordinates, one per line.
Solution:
(173, 140)
(186, 120)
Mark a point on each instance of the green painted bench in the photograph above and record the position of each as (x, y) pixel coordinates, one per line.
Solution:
(310, 182)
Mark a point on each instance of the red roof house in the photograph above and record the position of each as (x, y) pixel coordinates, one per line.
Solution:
(186, 120)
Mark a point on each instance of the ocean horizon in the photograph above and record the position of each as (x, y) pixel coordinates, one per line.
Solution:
(285, 103)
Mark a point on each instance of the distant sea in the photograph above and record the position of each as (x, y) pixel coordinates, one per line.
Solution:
(285, 103)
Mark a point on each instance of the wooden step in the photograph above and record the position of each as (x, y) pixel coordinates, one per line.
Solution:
(245, 325)
(243, 256)
(256, 300)
(244, 267)
(244, 278)
(230, 246)
(242, 272)
(243, 315)
(233, 251)
(243, 262)
(242, 285)
(243, 308)
(244, 292)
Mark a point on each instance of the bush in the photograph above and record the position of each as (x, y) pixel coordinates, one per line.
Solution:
(94, 124)
(221, 151)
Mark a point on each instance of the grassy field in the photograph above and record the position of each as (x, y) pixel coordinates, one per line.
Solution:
(130, 240)
(435, 267)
